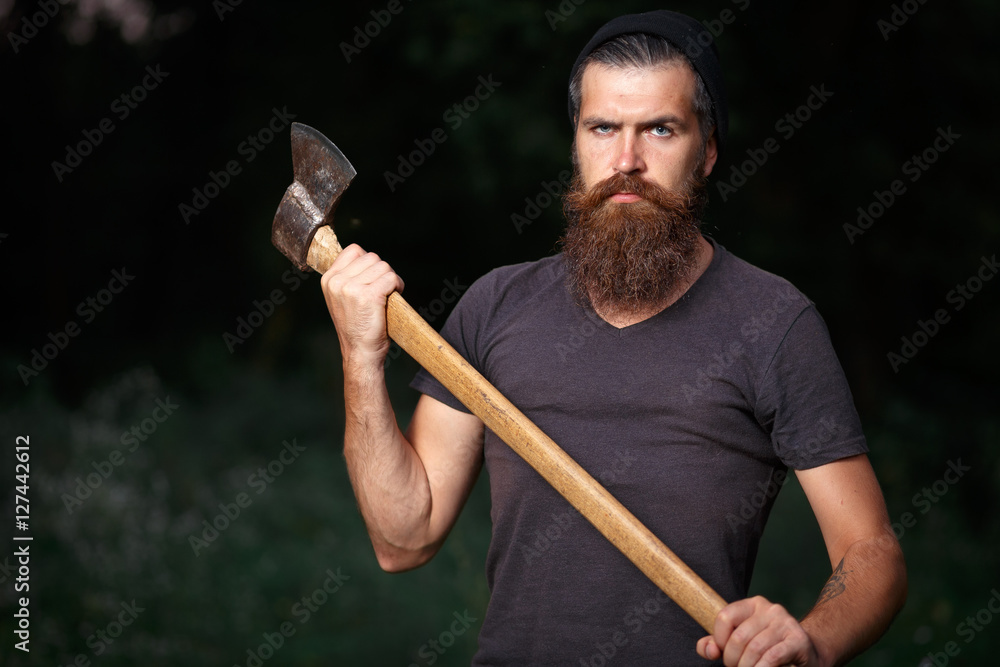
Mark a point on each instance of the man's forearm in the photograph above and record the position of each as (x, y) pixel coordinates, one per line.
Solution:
(389, 480)
(862, 596)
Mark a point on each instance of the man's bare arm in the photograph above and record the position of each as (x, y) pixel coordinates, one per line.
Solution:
(410, 489)
(863, 594)
(868, 585)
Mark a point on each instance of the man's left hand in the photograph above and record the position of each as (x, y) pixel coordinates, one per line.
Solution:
(758, 633)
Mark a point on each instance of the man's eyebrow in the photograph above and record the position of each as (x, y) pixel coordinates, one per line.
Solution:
(591, 121)
(667, 119)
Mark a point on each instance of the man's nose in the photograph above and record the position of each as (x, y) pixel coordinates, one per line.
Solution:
(630, 156)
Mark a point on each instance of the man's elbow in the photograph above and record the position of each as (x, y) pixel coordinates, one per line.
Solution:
(887, 553)
(900, 580)
(395, 559)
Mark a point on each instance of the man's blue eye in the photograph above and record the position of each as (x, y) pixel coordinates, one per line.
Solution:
(661, 131)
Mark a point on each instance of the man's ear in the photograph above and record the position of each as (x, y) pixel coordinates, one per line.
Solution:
(711, 155)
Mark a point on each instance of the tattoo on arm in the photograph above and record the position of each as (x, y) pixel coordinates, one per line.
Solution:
(835, 585)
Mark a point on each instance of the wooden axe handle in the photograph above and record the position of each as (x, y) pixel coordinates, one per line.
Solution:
(627, 533)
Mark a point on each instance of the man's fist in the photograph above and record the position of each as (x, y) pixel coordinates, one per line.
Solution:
(757, 633)
(356, 288)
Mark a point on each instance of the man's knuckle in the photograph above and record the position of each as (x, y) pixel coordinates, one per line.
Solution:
(758, 645)
(773, 609)
(337, 284)
(352, 291)
(775, 655)
(739, 636)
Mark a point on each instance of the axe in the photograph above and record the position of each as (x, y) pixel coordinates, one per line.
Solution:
(303, 232)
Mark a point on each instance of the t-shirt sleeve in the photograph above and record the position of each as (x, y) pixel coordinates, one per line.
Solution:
(804, 400)
(463, 329)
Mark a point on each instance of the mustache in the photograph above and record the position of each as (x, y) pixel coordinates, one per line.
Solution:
(600, 194)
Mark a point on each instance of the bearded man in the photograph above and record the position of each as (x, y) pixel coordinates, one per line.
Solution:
(684, 379)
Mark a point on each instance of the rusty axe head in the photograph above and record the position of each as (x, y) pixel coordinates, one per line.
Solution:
(322, 174)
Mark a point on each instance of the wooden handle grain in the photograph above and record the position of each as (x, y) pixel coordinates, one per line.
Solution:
(576, 485)
(323, 250)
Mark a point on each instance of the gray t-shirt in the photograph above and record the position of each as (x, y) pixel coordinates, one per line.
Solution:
(690, 418)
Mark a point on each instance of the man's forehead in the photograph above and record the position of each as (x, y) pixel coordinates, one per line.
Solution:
(672, 83)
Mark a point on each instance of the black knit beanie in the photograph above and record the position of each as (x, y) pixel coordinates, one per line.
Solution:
(686, 34)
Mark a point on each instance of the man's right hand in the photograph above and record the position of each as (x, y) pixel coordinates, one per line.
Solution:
(356, 288)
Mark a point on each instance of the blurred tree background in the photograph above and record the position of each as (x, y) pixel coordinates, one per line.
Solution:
(217, 79)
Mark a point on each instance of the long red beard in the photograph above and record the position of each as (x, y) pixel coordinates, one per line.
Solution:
(628, 258)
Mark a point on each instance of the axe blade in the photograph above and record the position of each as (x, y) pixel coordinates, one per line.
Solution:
(322, 174)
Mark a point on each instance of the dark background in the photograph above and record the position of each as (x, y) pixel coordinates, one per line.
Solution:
(162, 337)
